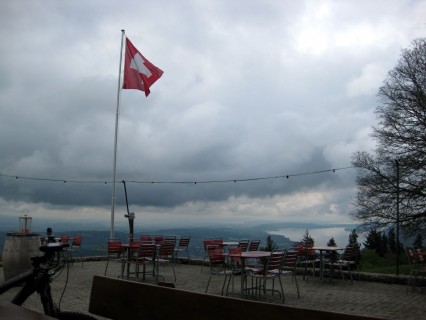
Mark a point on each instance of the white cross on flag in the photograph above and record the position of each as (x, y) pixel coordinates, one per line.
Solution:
(139, 73)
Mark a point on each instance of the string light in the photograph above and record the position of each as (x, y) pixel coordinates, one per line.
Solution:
(287, 176)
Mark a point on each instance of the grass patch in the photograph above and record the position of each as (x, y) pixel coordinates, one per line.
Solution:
(403, 269)
(373, 263)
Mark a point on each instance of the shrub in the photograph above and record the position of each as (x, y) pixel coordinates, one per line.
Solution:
(370, 259)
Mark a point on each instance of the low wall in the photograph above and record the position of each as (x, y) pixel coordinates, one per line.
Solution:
(363, 276)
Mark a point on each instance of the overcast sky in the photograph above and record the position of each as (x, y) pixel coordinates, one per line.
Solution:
(251, 89)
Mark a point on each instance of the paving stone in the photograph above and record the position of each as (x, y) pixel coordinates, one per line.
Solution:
(389, 301)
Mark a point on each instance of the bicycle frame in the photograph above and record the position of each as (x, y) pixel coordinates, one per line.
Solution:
(36, 280)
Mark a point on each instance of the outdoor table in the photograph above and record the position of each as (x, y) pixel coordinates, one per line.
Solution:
(243, 257)
(229, 243)
(321, 249)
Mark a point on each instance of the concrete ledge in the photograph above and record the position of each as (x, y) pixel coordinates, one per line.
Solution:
(121, 299)
(363, 276)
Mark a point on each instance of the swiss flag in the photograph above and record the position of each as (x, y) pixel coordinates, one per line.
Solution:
(139, 73)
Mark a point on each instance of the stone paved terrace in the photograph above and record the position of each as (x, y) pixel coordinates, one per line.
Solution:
(389, 301)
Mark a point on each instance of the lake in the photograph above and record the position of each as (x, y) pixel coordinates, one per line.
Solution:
(320, 235)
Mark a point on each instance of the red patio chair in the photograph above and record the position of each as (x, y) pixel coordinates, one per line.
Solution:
(75, 247)
(146, 239)
(165, 256)
(207, 243)
(243, 244)
(159, 238)
(254, 245)
(218, 266)
(272, 271)
(182, 247)
(115, 252)
(145, 256)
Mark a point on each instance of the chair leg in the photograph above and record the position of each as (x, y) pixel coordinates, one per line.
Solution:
(128, 270)
(227, 287)
(174, 273)
(208, 283)
(224, 282)
(81, 258)
(350, 274)
(282, 289)
(106, 267)
(297, 285)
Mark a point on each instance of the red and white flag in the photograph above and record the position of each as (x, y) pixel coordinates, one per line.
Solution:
(139, 73)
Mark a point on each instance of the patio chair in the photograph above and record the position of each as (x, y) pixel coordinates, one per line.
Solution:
(133, 251)
(145, 256)
(170, 239)
(234, 264)
(207, 243)
(165, 256)
(65, 239)
(75, 247)
(159, 238)
(218, 265)
(115, 252)
(417, 267)
(146, 238)
(289, 268)
(272, 271)
(346, 262)
(306, 258)
(254, 245)
(243, 244)
(182, 247)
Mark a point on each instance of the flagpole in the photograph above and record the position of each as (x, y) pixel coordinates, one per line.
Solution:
(114, 166)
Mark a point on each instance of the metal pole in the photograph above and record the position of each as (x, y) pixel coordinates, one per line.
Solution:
(129, 215)
(397, 217)
(114, 166)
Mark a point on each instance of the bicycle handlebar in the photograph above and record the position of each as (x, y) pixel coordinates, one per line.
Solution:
(49, 249)
(53, 247)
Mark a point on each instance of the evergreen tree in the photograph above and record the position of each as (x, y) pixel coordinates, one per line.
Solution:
(374, 242)
(384, 243)
(307, 238)
(333, 254)
(392, 240)
(270, 244)
(353, 237)
(418, 242)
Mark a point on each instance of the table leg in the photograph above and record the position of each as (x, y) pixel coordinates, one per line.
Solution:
(123, 265)
(243, 274)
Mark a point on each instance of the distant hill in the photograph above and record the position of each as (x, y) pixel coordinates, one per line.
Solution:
(94, 241)
(96, 233)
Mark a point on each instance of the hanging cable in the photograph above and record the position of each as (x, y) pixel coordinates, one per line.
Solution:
(287, 176)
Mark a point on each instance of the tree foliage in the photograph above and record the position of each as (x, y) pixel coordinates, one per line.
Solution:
(392, 240)
(353, 238)
(401, 137)
(373, 241)
(418, 241)
(307, 238)
(332, 255)
(270, 244)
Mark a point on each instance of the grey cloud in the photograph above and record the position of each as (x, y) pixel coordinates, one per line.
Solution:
(239, 98)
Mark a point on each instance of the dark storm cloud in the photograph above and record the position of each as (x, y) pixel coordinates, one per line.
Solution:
(250, 89)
